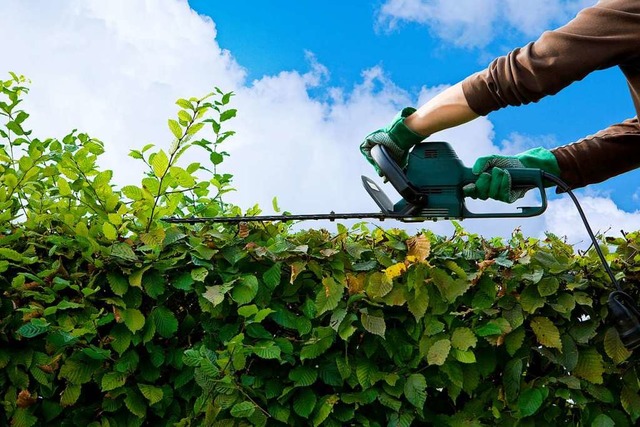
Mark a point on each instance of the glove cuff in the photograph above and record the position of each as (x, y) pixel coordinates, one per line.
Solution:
(404, 137)
(540, 158)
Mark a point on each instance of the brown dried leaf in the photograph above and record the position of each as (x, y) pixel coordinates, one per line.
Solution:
(30, 285)
(25, 399)
(47, 369)
(117, 315)
(419, 247)
(482, 266)
(243, 230)
(52, 366)
(251, 246)
(34, 314)
(296, 268)
(328, 252)
(355, 283)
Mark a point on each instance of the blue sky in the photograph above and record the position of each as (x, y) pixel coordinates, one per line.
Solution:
(311, 80)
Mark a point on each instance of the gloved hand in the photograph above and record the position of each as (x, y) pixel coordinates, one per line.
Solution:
(494, 182)
(396, 137)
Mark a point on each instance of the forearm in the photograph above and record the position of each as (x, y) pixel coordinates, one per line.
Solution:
(598, 157)
(446, 110)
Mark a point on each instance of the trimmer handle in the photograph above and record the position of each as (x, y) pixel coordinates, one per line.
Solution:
(521, 179)
(526, 178)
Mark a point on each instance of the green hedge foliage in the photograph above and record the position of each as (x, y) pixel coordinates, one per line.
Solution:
(110, 317)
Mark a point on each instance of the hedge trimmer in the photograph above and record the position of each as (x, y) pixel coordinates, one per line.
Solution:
(431, 187)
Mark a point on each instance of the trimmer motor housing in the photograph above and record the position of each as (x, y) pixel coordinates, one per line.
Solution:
(432, 185)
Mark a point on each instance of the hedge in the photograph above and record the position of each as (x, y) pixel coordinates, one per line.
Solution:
(109, 316)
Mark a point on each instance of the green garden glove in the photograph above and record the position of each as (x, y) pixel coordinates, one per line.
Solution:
(494, 182)
(396, 137)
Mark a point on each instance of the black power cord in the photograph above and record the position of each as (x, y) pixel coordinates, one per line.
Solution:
(622, 307)
(564, 187)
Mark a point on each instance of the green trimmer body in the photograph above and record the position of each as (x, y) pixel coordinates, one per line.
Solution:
(432, 185)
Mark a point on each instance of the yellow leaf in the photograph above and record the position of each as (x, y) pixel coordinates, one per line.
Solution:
(160, 163)
(63, 187)
(176, 130)
(135, 279)
(614, 347)
(115, 219)
(109, 231)
(82, 230)
(439, 352)
(395, 270)
(11, 180)
(153, 238)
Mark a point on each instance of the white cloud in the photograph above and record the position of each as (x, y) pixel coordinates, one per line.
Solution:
(114, 69)
(475, 23)
(305, 151)
(604, 216)
(462, 22)
(517, 143)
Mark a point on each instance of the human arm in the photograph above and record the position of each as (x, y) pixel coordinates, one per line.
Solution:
(446, 110)
(410, 126)
(599, 37)
(607, 31)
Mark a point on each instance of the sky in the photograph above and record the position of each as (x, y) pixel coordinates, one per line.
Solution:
(311, 79)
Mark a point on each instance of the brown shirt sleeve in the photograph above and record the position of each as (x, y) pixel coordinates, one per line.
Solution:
(610, 152)
(599, 37)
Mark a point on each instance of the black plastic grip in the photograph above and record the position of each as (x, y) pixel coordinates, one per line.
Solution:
(525, 178)
(395, 175)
